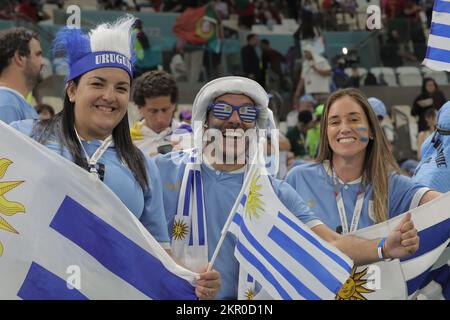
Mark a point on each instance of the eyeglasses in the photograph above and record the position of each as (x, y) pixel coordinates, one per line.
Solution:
(223, 111)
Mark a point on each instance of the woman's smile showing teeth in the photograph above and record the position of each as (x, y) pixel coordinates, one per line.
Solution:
(104, 108)
(346, 140)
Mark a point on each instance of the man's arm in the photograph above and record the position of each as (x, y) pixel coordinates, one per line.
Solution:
(401, 242)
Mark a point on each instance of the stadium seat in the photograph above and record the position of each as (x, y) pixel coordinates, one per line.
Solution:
(362, 72)
(385, 74)
(439, 76)
(409, 76)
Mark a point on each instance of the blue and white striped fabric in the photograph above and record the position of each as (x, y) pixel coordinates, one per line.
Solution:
(406, 278)
(280, 252)
(65, 235)
(189, 234)
(438, 52)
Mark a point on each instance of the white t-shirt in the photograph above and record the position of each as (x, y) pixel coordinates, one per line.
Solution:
(314, 82)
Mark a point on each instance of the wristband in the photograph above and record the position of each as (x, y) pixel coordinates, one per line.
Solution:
(380, 247)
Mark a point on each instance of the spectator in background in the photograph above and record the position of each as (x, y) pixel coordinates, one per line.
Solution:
(250, 60)
(178, 66)
(313, 134)
(380, 111)
(306, 102)
(272, 60)
(297, 134)
(7, 11)
(430, 98)
(246, 13)
(142, 47)
(45, 111)
(20, 70)
(221, 8)
(430, 119)
(156, 95)
(315, 78)
(27, 10)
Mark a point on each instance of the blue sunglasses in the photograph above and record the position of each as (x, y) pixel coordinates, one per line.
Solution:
(223, 111)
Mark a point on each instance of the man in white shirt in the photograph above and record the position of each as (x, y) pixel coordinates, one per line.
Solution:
(156, 95)
(315, 78)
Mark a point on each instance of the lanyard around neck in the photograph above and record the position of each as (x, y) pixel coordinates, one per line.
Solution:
(92, 161)
(341, 208)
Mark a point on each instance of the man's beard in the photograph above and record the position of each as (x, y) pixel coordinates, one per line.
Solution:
(32, 78)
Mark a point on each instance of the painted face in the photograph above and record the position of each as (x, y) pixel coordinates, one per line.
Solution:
(158, 112)
(101, 101)
(347, 128)
(34, 63)
(233, 128)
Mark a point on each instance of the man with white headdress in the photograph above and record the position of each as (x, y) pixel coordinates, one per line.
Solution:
(206, 187)
(315, 78)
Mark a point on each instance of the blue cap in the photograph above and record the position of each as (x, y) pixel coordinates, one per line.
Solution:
(307, 98)
(378, 107)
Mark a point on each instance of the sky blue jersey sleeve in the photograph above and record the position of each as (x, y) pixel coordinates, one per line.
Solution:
(404, 194)
(24, 126)
(153, 217)
(294, 202)
(10, 113)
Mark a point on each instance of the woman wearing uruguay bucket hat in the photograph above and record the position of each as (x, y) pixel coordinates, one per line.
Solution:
(92, 129)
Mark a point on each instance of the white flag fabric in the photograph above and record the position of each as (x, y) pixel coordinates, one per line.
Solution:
(280, 252)
(405, 278)
(438, 51)
(65, 235)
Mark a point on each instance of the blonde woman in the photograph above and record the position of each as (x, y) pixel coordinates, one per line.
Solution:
(355, 181)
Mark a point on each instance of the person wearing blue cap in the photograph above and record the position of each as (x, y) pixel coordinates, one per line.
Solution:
(92, 129)
(355, 181)
(433, 169)
(380, 111)
(200, 189)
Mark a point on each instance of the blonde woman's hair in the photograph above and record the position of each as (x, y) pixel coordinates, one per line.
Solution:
(378, 161)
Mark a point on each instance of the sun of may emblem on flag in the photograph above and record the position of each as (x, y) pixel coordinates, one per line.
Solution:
(254, 202)
(353, 288)
(249, 294)
(180, 229)
(7, 208)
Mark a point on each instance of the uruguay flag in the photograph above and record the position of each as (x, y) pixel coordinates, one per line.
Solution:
(438, 51)
(280, 252)
(407, 278)
(65, 235)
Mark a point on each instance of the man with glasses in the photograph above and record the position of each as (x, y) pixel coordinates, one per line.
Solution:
(156, 95)
(200, 187)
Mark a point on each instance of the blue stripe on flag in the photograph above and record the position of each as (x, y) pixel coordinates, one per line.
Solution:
(292, 279)
(441, 6)
(201, 223)
(41, 284)
(244, 200)
(438, 54)
(305, 259)
(261, 268)
(249, 278)
(187, 198)
(440, 275)
(316, 242)
(431, 238)
(441, 30)
(119, 254)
